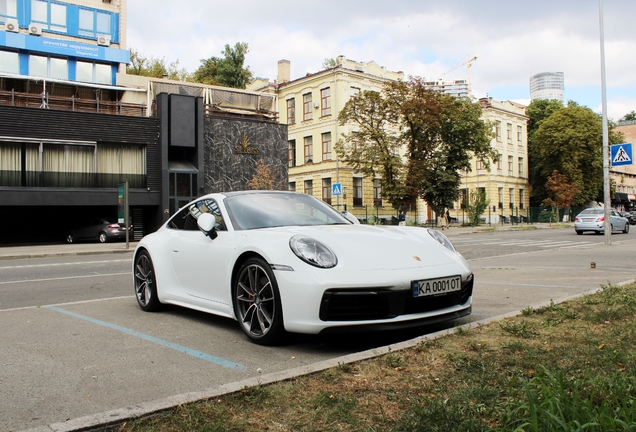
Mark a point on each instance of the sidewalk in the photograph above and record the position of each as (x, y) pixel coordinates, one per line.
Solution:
(63, 249)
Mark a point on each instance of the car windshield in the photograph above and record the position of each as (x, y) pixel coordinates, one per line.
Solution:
(267, 210)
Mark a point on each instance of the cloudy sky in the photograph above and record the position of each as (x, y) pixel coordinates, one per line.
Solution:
(512, 39)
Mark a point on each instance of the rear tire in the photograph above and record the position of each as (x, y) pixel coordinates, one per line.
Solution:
(70, 238)
(102, 237)
(579, 232)
(146, 283)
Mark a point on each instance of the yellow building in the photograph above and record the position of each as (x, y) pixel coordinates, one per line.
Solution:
(506, 184)
(310, 107)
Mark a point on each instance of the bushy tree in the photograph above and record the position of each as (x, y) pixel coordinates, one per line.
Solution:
(570, 141)
(227, 71)
(476, 204)
(156, 68)
(373, 146)
(630, 116)
(438, 133)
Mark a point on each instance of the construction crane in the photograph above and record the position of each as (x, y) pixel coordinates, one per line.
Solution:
(467, 62)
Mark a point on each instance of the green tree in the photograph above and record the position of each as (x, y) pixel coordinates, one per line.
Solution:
(442, 134)
(373, 146)
(227, 71)
(329, 63)
(570, 141)
(156, 68)
(630, 116)
(476, 204)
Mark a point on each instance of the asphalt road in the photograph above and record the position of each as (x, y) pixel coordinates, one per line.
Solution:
(74, 343)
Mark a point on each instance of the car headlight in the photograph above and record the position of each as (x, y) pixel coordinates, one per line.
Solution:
(442, 239)
(313, 252)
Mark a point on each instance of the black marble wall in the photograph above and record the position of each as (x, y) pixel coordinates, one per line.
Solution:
(232, 147)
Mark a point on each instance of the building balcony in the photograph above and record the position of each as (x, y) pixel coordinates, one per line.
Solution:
(70, 103)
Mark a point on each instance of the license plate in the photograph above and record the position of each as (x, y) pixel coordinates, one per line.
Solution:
(429, 287)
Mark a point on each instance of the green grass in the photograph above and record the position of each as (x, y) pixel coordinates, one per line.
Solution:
(562, 367)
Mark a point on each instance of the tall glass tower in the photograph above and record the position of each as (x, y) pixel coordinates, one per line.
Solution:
(547, 85)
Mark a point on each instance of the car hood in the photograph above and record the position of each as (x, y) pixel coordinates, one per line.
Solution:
(369, 247)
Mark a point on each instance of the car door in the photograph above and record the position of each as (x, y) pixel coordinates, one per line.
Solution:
(618, 222)
(202, 265)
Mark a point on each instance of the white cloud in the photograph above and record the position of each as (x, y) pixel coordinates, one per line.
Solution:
(513, 40)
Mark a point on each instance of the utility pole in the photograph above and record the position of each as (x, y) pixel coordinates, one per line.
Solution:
(606, 182)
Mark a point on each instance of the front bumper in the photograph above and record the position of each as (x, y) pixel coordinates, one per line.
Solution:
(324, 300)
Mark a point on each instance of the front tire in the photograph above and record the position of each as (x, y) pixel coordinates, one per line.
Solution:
(70, 238)
(626, 230)
(257, 302)
(146, 283)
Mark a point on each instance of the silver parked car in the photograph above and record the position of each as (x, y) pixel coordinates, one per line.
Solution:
(593, 219)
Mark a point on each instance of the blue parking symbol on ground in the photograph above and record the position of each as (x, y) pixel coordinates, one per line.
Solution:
(336, 189)
(621, 154)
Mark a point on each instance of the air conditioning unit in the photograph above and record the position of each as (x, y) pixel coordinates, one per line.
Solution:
(103, 40)
(35, 29)
(11, 25)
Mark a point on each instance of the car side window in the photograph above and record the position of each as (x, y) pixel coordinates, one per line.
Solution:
(186, 218)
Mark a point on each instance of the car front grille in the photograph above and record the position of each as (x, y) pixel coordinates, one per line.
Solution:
(375, 304)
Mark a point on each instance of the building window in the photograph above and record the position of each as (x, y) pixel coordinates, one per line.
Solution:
(500, 198)
(309, 149)
(509, 133)
(51, 16)
(93, 23)
(182, 188)
(93, 72)
(50, 67)
(519, 134)
(511, 197)
(292, 187)
(8, 8)
(480, 164)
(520, 167)
(377, 193)
(354, 92)
(521, 199)
(499, 163)
(510, 172)
(291, 153)
(291, 111)
(307, 106)
(326, 146)
(325, 102)
(464, 195)
(498, 130)
(326, 190)
(309, 187)
(9, 62)
(357, 191)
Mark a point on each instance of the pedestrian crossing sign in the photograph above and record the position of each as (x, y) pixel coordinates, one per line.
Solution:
(621, 154)
(336, 189)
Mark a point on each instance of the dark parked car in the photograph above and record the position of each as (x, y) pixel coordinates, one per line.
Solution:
(629, 216)
(101, 230)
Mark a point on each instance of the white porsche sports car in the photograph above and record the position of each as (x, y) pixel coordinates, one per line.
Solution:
(285, 262)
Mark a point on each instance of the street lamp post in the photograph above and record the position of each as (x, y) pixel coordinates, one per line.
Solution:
(606, 183)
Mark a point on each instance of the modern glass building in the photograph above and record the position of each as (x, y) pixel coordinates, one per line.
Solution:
(547, 85)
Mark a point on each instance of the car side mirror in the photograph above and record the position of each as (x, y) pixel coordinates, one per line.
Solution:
(351, 218)
(207, 223)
